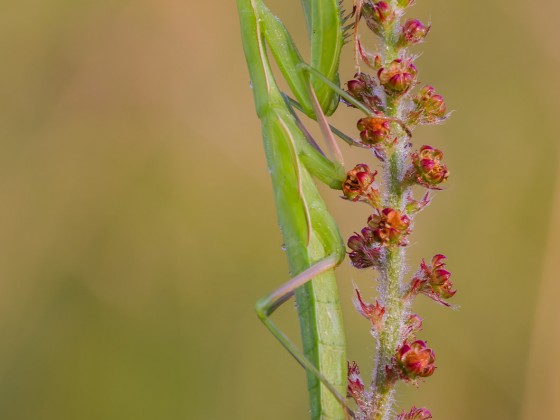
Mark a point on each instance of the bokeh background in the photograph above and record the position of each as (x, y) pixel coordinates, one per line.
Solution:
(137, 225)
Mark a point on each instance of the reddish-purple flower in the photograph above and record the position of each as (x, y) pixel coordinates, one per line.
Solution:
(374, 130)
(433, 281)
(365, 251)
(439, 277)
(416, 360)
(390, 227)
(398, 77)
(429, 171)
(429, 108)
(358, 185)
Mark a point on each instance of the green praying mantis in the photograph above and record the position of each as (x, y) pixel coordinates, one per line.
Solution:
(312, 241)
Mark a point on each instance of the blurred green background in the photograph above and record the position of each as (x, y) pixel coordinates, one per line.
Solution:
(137, 225)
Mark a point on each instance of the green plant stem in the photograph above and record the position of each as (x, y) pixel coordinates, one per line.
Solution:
(390, 335)
(393, 265)
(391, 280)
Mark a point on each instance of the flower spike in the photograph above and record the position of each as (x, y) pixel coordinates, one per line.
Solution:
(397, 108)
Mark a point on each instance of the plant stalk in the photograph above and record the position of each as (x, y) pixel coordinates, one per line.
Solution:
(394, 259)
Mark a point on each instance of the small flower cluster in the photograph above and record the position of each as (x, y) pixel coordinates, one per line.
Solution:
(359, 186)
(427, 169)
(415, 360)
(394, 111)
(433, 281)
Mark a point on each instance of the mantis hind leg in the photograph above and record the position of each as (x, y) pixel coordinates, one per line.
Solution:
(268, 304)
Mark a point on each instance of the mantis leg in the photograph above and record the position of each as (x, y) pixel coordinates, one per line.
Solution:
(268, 304)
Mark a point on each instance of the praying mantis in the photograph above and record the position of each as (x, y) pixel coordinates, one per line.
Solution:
(311, 237)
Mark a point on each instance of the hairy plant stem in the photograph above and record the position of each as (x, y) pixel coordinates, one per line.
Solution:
(393, 264)
(391, 279)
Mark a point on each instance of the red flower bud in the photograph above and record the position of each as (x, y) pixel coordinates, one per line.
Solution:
(416, 360)
(415, 414)
(374, 313)
(390, 227)
(429, 172)
(398, 77)
(358, 185)
(413, 32)
(374, 130)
